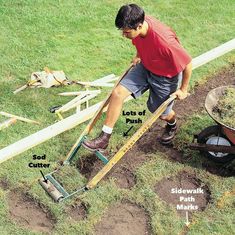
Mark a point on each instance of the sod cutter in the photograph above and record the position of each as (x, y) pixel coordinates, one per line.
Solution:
(58, 192)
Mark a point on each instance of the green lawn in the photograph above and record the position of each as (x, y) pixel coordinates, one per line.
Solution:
(79, 37)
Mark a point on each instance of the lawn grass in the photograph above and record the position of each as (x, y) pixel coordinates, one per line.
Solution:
(79, 37)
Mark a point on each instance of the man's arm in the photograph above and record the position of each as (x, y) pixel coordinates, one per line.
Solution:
(182, 92)
(136, 59)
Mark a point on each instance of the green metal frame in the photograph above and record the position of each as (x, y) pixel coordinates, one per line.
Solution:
(58, 186)
(72, 155)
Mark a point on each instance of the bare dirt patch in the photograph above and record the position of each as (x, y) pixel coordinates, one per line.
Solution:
(77, 211)
(124, 178)
(4, 184)
(133, 158)
(123, 172)
(124, 218)
(225, 170)
(30, 214)
(186, 181)
(150, 143)
(87, 164)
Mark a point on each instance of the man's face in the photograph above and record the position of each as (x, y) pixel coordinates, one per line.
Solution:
(131, 33)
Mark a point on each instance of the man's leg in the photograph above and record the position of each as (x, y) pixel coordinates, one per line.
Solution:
(161, 88)
(119, 94)
(170, 117)
(170, 128)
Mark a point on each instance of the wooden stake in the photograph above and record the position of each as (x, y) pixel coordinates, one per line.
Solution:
(7, 123)
(76, 93)
(19, 118)
(106, 78)
(25, 86)
(94, 84)
(75, 102)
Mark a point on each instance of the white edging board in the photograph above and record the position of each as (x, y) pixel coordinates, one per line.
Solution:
(213, 54)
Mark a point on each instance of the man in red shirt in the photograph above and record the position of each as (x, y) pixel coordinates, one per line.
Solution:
(161, 65)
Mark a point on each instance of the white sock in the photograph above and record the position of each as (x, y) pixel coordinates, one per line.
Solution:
(107, 129)
(172, 124)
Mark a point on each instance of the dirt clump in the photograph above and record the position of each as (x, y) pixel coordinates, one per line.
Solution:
(134, 158)
(87, 164)
(124, 178)
(124, 218)
(197, 194)
(77, 211)
(29, 213)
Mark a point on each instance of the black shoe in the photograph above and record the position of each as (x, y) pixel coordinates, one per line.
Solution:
(98, 144)
(168, 134)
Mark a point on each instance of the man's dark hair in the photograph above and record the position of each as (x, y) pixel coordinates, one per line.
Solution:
(129, 16)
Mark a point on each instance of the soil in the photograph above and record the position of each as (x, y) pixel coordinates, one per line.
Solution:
(123, 172)
(124, 218)
(87, 164)
(184, 180)
(224, 170)
(25, 211)
(150, 143)
(4, 184)
(124, 178)
(77, 211)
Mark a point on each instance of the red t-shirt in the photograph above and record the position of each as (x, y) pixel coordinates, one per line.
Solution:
(160, 50)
